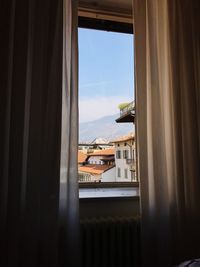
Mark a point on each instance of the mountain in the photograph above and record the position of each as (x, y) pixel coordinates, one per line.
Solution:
(105, 128)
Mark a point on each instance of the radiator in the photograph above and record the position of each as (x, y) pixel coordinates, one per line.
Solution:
(110, 242)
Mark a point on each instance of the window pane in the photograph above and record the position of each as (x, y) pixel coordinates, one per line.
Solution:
(106, 92)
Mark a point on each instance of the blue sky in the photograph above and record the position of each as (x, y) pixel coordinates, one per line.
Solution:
(105, 72)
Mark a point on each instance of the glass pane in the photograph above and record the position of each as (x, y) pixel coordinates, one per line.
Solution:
(106, 107)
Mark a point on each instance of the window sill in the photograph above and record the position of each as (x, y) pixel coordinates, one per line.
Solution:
(112, 192)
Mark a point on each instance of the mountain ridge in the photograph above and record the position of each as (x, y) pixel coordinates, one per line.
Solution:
(104, 127)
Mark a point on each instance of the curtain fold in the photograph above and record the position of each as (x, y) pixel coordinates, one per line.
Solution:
(69, 194)
(32, 77)
(167, 52)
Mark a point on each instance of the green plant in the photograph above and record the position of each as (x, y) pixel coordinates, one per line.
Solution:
(122, 105)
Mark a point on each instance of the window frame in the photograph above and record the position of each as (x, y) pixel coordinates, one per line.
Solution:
(118, 154)
(105, 25)
(114, 26)
(119, 172)
(126, 172)
(125, 154)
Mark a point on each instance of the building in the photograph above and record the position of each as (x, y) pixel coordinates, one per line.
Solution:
(98, 166)
(102, 157)
(85, 148)
(125, 159)
(81, 158)
(125, 147)
(127, 113)
(96, 144)
(97, 173)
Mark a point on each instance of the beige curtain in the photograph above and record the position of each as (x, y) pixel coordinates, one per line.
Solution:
(69, 195)
(167, 52)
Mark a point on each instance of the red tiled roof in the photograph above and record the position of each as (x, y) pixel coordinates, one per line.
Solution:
(104, 152)
(124, 138)
(95, 168)
(81, 157)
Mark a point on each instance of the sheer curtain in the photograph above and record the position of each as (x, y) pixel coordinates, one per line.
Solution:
(33, 230)
(167, 52)
(69, 195)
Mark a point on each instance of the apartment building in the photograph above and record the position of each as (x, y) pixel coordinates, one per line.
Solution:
(125, 159)
(98, 166)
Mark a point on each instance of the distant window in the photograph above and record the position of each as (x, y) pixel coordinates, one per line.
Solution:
(118, 144)
(133, 155)
(118, 154)
(125, 154)
(125, 173)
(118, 172)
(125, 144)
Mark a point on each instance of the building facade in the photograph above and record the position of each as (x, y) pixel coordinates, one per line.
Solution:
(99, 166)
(125, 159)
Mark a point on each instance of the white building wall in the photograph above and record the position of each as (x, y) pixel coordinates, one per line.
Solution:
(121, 163)
(95, 160)
(109, 175)
(96, 178)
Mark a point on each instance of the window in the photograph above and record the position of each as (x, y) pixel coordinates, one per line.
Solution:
(118, 154)
(125, 154)
(126, 173)
(105, 82)
(119, 172)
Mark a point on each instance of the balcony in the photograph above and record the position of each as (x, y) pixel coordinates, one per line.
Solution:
(127, 113)
(131, 163)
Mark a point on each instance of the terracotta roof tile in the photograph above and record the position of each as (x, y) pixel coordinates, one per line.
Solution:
(124, 138)
(104, 152)
(81, 157)
(95, 169)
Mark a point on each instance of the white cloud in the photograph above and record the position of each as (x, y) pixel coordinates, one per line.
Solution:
(95, 84)
(97, 107)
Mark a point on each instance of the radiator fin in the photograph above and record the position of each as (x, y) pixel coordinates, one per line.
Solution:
(110, 242)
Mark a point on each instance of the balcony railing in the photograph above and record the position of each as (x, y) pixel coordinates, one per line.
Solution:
(128, 108)
(87, 178)
(83, 177)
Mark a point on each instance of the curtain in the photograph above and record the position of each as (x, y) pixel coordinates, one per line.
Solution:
(32, 73)
(69, 195)
(167, 77)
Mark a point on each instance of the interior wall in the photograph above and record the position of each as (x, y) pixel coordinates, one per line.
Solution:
(109, 207)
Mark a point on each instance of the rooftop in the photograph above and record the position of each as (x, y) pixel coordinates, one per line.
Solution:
(124, 138)
(81, 157)
(105, 152)
(95, 169)
(100, 141)
(108, 158)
